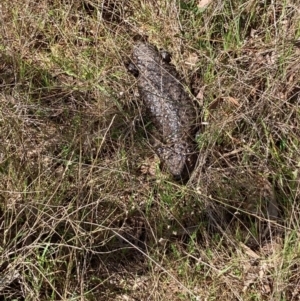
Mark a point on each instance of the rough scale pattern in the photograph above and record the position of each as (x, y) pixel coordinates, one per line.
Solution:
(170, 108)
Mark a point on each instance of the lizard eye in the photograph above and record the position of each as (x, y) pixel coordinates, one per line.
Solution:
(165, 55)
(132, 69)
(177, 177)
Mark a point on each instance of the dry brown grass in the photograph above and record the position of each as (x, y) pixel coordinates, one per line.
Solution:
(85, 212)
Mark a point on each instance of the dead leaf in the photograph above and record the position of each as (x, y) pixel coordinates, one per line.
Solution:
(149, 166)
(249, 252)
(232, 100)
(192, 59)
(215, 104)
(266, 288)
(203, 3)
(200, 96)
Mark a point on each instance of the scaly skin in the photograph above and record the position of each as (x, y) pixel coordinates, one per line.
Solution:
(169, 106)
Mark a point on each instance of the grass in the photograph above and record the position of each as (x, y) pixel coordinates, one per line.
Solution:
(85, 211)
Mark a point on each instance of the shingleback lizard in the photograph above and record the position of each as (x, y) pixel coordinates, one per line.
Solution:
(170, 108)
